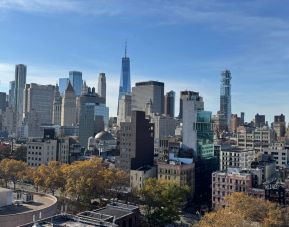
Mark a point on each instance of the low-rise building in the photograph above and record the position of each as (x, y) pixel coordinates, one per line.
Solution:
(138, 176)
(235, 157)
(178, 170)
(254, 138)
(280, 153)
(226, 182)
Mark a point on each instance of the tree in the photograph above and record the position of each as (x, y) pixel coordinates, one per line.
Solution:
(12, 170)
(163, 200)
(49, 177)
(20, 153)
(244, 210)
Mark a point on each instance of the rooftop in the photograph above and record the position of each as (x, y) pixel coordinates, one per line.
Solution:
(40, 202)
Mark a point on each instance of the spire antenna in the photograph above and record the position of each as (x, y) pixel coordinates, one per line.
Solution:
(125, 49)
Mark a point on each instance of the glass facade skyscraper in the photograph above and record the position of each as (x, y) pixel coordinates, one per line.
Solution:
(225, 96)
(75, 78)
(62, 83)
(125, 85)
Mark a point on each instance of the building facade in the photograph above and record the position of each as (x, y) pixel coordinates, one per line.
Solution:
(170, 104)
(225, 96)
(235, 157)
(75, 78)
(148, 92)
(136, 143)
(102, 85)
(225, 183)
(68, 107)
(20, 81)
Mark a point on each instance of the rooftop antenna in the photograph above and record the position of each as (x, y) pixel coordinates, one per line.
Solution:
(125, 49)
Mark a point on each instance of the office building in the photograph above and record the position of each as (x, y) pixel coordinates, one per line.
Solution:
(225, 96)
(57, 103)
(20, 81)
(280, 153)
(124, 109)
(259, 120)
(189, 117)
(136, 143)
(102, 86)
(92, 114)
(228, 182)
(11, 99)
(3, 102)
(62, 82)
(164, 126)
(38, 106)
(234, 157)
(75, 78)
(254, 138)
(125, 85)
(68, 108)
(279, 126)
(235, 123)
(170, 104)
(148, 92)
(191, 95)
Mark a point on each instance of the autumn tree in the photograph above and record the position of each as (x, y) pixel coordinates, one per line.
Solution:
(12, 170)
(91, 179)
(163, 200)
(50, 177)
(244, 210)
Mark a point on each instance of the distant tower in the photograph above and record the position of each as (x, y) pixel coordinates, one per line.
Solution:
(225, 96)
(125, 85)
(170, 103)
(102, 85)
(57, 103)
(148, 91)
(20, 81)
(75, 78)
(68, 108)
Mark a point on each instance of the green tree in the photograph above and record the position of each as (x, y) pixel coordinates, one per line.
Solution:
(163, 200)
(20, 153)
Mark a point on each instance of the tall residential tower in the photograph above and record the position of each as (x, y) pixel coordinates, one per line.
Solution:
(225, 96)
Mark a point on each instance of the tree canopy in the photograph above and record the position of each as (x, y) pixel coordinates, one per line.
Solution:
(243, 210)
(163, 201)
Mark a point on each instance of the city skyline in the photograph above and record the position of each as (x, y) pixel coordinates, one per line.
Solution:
(186, 49)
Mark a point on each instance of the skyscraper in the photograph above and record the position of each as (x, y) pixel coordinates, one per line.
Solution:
(124, 86)
(102, 85)
(68, 108)
(75, 78)
(20, 81)
(57, 103)
(11, 100)
(225, 96)
(151, 92)
(170, 103)
(124, 111)
(3, 101)
(189, 117)
(38, 105)
(62, 84)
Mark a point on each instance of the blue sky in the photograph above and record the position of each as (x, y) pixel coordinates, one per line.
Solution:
(185, 44)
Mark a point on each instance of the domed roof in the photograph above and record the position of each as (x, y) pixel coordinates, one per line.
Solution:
(104, 136)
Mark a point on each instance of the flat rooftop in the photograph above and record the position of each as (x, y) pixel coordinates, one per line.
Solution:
(40, 202)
